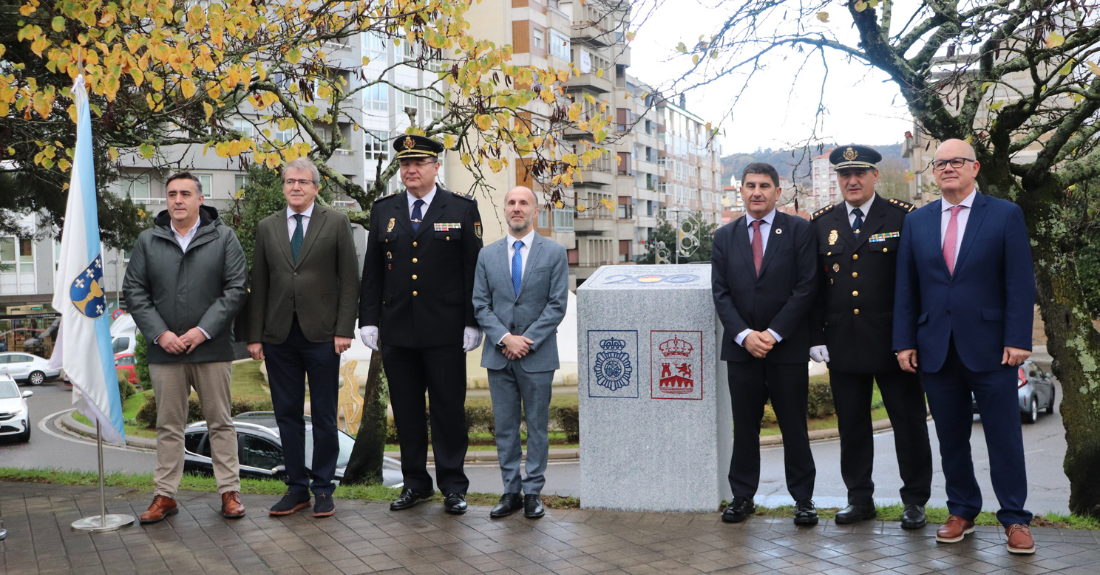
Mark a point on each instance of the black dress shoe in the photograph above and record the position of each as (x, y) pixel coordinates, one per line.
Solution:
(509, 504)
(532, 506)
(913, 517)
(410, 498)
(741, 509)
(855, 513)
(805, 513)
(455, 503)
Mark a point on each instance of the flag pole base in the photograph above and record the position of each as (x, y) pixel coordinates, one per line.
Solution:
(99, 524)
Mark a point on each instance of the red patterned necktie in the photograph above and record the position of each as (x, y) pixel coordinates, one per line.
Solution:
(757, 245)
(951, 238)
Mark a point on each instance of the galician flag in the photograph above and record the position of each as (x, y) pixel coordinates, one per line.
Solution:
(84, 339)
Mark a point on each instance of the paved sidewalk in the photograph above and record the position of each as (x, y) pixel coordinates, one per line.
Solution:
(365, 537)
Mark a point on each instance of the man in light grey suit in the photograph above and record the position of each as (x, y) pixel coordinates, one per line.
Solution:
(520, 294)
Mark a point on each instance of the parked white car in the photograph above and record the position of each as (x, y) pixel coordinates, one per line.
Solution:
(26, 367)
(15, 417)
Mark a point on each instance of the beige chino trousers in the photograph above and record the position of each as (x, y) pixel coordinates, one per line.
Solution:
(172, 383)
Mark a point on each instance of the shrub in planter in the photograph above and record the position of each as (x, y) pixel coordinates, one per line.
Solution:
(125, 388)
(819, 401)
(147, 415)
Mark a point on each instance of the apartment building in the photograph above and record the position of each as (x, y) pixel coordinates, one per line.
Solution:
(823, 177)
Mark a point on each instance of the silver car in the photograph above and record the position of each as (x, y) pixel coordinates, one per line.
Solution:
(26, 367)
(15, 417)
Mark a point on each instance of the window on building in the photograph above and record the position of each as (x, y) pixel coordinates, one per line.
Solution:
(377, 145)
(136, 188)
(563, 220)
(376, 97)
(407, 100)
(544, 218)
(538, 38)
(207, 183)
(284, 136)
(559, 45)
(239, 182)
(243, 125)
(434, 109)
(374, 46)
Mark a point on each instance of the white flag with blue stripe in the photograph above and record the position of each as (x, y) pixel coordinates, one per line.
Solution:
(84, 339)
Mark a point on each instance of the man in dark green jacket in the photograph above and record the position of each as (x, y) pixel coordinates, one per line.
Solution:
(184, 285)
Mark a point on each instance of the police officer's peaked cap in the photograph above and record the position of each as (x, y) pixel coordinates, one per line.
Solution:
(854, 156)
(412, 146)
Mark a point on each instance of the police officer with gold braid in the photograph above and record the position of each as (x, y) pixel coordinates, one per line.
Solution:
(416, 306)
(852, 330)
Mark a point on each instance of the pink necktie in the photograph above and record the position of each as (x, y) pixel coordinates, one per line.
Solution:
(757, 246)
(949, 239)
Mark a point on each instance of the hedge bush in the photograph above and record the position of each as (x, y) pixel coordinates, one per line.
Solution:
(564, 417)
(125, 388)
(147, 414)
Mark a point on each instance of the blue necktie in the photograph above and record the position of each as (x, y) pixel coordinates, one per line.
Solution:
(858, 223)
(296, 239)
(418, 215)
(517, 266)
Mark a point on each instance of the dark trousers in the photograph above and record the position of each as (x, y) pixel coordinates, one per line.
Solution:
(751, 384)
(949, 392)
(903, 396)
(287, 366)
(442, 372)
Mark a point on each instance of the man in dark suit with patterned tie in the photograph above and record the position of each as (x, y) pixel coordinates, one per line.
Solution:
(764, 281)
(417, 307)
(305, 290)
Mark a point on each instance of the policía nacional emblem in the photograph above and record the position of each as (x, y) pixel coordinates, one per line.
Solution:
(850, 154)
(833, 237)
(389, 226)
(613, 368)
(86, 291)
(410, 143)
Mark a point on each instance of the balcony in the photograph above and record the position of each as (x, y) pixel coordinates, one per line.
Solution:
(591, 82)
(595, 177)
(593, 225)
(346, 162)
(590, 26)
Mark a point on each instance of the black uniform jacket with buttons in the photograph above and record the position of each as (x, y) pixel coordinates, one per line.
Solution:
(418, 287)
(854, 315)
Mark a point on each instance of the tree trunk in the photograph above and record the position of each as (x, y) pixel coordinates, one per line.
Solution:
(1072, 341)
(365, 465)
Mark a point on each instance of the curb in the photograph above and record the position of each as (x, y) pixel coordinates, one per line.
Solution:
(70, 423)
(492, 457)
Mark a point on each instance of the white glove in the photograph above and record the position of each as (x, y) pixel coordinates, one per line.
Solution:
(369, 334)
(819, 353)
(471, 338)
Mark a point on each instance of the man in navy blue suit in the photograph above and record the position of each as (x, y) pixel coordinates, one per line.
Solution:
(964, 305)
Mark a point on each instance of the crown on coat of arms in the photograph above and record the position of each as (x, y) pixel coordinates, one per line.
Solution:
(676, 346)
(612, 344)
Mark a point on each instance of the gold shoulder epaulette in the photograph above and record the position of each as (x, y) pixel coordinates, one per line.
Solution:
(823, 211)
(902, 205)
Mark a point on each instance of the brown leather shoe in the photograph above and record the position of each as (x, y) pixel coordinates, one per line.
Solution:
(954, 530)
(162, 507)
(1019, 539)
(232, 508)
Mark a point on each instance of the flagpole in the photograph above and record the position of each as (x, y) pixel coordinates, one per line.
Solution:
(102, 522)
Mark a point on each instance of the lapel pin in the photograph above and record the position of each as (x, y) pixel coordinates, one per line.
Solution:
(778, 231)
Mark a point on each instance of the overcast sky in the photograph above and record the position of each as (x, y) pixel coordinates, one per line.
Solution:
(862, 105)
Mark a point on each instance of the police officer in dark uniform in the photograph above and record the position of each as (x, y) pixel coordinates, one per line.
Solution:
(416, 306)
(853, 326)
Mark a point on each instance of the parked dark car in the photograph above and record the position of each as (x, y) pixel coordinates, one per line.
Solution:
(1036, 392)
(260, 450)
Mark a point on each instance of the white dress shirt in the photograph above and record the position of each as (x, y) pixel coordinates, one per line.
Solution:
(185, 239)
(960, 220)
(865, 208)
(427, 202)
(523, 252)
(765, 229)
(292, 223)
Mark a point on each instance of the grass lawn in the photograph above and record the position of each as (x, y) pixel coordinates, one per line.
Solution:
(144, 482)
(130, 408)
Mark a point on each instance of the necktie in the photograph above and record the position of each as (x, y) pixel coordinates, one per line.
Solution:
(950, 239)
(517, 266)
(418, 215)
(296, 239)
(757, 245)
(858, 223)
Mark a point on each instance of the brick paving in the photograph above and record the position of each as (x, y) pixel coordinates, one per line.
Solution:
(365, 537)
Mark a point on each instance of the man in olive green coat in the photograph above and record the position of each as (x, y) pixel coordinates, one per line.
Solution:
(302, 309)
(184, 285)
